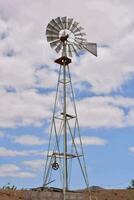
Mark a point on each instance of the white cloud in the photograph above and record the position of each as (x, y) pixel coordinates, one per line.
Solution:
(24, 108)
(2, 134)
(29, 140)
(114, 66)
(106, 111)
(6, 152)
(106, 73)
(131, 149)
(105, 21)
(23, 72)
(87, 140)
(98, 112)
(31, 108)
(12, 153)
(130, 118)
(34, 164)
(12, 170)
(46, 78)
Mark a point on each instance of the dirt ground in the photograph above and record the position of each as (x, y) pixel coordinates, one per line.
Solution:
(126, 194)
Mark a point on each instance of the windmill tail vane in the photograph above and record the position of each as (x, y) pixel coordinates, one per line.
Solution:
(65, 153)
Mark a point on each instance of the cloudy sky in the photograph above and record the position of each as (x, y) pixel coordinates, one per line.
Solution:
(103, 88)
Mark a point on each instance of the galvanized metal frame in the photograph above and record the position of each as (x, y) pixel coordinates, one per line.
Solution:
(67, 48)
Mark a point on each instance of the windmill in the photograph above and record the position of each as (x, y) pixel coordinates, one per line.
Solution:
(67, 38)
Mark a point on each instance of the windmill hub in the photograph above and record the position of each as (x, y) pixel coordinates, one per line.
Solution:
(67, 34)
(64, 38)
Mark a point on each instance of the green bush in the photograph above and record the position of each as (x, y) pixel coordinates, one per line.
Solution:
(8, 186)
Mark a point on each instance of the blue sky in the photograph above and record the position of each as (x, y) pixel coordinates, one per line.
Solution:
(103, 88)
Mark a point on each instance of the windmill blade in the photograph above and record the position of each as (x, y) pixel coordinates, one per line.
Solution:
(91, 47)
(78, 46)
(58, 48)
(55, 24)
(74, 26)
(74, 50)
(80, 40)
(55, 43)
(51, 32)
(59, 22)
(70, 21)
(52, 38)
(64, 22)
(51, 27)
(79, 34)
(78, 29)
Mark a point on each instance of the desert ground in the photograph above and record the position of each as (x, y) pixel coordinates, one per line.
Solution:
(100, 194)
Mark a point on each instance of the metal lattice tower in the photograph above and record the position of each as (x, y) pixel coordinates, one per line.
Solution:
(65, 144)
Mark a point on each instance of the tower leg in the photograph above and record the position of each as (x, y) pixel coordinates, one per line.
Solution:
(65, 184)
